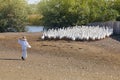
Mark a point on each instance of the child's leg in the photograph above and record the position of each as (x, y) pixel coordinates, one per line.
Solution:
(24, 53)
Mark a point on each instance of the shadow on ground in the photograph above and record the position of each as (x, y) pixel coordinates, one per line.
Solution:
(116, 37)
(8, 59)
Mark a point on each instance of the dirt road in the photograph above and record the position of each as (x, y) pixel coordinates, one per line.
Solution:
(59, 60)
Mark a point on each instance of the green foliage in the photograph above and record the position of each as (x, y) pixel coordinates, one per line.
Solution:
(64, 13)
(56, 13)
(32, 9)
(34, 19)
(116, 6)
(12, 15)
(101, 11)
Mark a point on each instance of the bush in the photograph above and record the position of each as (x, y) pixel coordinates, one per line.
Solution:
(34, 19)
(13, 15)
(64, 13)
(118, 18)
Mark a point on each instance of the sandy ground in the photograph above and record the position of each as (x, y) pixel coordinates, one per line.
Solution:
(59, 60)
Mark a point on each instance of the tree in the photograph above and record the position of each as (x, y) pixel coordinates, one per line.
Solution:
(57, 13)
(13, 15)
(116, 6)
(101, 11)
(64, 13)
(33, 15)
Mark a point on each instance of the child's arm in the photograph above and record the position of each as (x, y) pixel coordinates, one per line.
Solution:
(19, 41)
(28, 45)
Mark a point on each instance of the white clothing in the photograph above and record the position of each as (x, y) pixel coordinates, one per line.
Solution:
(24, 53)
(24, 45)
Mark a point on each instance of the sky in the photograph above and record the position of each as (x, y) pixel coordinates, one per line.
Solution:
(32, 1)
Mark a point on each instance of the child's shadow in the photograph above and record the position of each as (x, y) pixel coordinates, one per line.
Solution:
(9, 59)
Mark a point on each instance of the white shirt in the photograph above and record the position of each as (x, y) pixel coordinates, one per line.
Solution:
(24, 43)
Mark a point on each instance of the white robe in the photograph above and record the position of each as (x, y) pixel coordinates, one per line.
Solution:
(24, 44)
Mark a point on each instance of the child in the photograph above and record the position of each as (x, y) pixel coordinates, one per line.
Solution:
(24, 44)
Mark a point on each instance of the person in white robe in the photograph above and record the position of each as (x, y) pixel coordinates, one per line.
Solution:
(24, 44)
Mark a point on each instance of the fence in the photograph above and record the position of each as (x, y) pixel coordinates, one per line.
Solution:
(112, 24)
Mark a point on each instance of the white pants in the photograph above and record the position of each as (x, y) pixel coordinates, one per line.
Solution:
(24, 52)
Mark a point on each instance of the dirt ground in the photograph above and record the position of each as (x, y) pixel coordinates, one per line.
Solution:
(59, 60)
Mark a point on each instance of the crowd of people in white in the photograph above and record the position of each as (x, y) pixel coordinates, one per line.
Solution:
(78, 33)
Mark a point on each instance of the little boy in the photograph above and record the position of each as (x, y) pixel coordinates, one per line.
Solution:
(24, 44)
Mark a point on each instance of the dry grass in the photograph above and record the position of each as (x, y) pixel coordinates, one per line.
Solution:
(59, 60)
